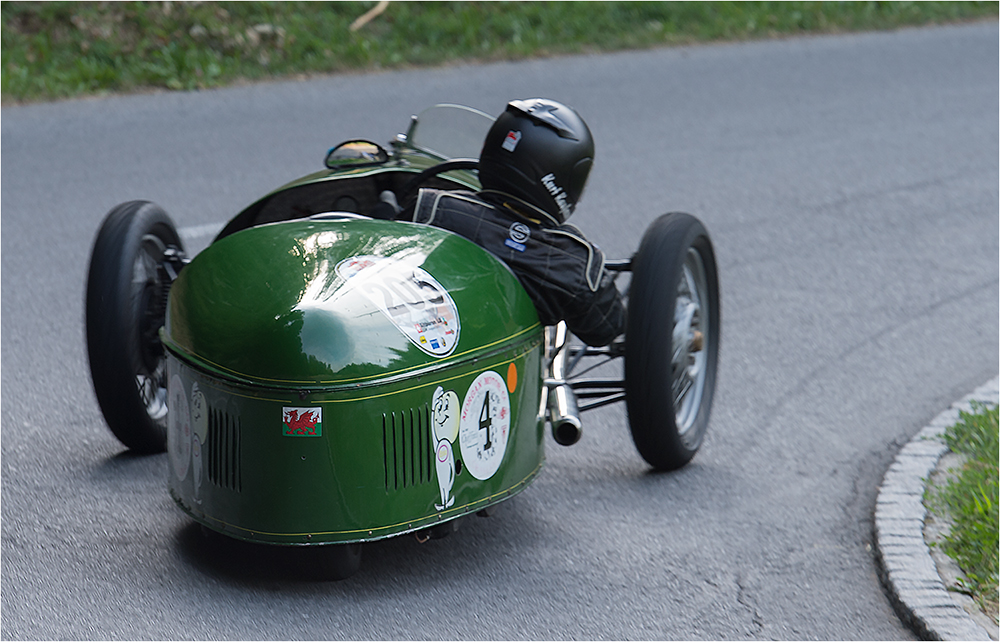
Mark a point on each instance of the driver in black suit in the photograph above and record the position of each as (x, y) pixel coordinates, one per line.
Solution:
(533, 168)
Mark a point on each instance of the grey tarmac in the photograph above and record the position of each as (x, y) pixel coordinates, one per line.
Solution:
(850, 186)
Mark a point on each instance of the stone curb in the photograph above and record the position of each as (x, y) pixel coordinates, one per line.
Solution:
(906, 567)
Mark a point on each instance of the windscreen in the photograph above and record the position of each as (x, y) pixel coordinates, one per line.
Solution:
(449, 131)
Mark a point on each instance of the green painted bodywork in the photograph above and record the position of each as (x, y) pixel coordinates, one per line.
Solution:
(272, 320)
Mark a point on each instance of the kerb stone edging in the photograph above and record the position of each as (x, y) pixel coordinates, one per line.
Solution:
(907, 568)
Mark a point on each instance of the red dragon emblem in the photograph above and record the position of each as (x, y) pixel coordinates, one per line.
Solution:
(302, 422)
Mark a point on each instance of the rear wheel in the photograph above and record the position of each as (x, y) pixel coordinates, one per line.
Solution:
(135, 251)
(672, 340)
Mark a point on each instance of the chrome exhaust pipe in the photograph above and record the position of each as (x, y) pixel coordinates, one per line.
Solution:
(563, 413)
(564, 416)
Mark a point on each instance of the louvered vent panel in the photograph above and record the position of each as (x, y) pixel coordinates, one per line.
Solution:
(408, 451)
(224, 450)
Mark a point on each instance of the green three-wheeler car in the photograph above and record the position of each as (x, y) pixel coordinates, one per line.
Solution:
(321, 378)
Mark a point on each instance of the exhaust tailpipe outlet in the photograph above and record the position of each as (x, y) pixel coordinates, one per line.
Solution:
(564, 416)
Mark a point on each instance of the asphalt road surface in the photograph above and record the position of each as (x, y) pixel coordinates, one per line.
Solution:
(850, 185)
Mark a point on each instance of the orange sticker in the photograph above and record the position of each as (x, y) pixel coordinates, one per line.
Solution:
(511, 378)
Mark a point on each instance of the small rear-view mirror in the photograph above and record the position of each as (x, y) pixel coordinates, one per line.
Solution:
(356, 153)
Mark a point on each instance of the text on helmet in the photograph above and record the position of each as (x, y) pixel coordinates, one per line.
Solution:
(558, 195)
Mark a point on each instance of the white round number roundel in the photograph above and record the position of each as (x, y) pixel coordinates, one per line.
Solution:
(485, 425)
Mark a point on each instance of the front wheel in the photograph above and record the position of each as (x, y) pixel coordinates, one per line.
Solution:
(672, 340)
(135, 255)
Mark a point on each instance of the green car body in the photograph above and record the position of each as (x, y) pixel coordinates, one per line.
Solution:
(342, 379)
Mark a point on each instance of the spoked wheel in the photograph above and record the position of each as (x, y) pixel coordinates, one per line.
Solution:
(135, 257)
(672, 340)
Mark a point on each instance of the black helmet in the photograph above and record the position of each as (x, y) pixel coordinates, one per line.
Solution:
(539, 151)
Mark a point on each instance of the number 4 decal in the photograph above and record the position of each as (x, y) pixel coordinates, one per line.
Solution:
(485, 421)
(484, 425)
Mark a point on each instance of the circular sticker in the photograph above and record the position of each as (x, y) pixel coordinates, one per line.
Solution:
(178, 427)
(419, 306)
(484, 425)
(511, 377)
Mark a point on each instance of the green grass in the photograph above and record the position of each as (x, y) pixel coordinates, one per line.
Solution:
(970, 500)
(64, 49)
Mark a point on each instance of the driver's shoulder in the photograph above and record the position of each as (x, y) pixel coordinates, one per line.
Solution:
(431, 201)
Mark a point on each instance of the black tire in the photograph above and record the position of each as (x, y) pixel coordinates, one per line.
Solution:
(125, 308)
(669, 378)
(331, 562)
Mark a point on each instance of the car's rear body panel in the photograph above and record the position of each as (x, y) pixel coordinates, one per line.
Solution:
(347, 380)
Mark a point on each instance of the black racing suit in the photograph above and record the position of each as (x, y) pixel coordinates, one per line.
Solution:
(562, 272)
